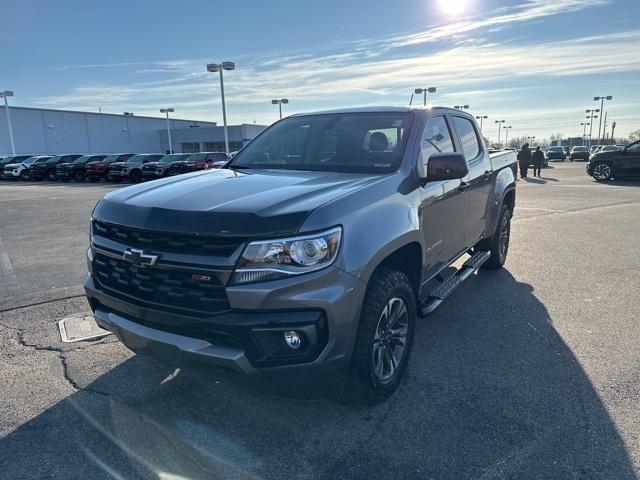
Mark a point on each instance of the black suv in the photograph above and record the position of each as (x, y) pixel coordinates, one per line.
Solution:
(99, 170)
(76, 169)
(197, 161)
(160, 168)
(39, 171)
(618, 163)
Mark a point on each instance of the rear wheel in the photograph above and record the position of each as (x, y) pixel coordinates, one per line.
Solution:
(384, 339)
(602, 172)
(498, 243)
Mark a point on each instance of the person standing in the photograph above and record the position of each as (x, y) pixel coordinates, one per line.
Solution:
(538, 161)
(524, 160)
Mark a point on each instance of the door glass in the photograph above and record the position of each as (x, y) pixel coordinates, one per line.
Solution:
(468, 137)
(436, 138)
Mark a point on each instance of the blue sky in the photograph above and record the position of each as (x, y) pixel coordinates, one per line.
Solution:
(536, 64)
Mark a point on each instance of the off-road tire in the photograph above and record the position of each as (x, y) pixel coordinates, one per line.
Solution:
(361, 386)
(498, 243)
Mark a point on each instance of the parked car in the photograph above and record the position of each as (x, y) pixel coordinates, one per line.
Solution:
(556, 153)
(132, 168)
(20, 170)
(47, 169)
(610, 148)
(76, 169)
(10, 160)
(99, 170)
(197, 161)
(579, 152)
(619, 163)
(593, 149)
(305, 255)
(159, 169)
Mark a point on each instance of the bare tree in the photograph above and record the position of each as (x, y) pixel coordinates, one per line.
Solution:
(635, 135)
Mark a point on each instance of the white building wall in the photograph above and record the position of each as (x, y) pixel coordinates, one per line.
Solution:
(44, 131)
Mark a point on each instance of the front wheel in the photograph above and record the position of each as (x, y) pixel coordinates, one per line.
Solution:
(135, 176)
(384, 339)
(498, 243)
(79, 176)
(24, 175)
(602, 172)
(51, 175)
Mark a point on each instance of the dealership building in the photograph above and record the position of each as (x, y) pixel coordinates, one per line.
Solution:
(46, 131)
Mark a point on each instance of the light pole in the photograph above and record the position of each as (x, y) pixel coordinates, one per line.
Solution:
(219, 67)
(461, 107)
(499, 122)
(424, 91)
(506, 135)
(481, 117)
(4, 94)
(591, 117)
(279, 103)
(168, 111)
(584, 128)
(601, 99)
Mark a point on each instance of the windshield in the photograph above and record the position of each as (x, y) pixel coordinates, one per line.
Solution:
(579, 149)
(136, 158)
(173, 158)
(345, 142)
(195, 157)
(111, 158)
(556, 149)
(29, 161)
(82, 159)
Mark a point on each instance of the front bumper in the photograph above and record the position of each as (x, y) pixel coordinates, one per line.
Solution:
(116, 175)
(10, 174)
(324, 308)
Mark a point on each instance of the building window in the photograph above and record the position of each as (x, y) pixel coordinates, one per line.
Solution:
(219, 146)
(192, 147)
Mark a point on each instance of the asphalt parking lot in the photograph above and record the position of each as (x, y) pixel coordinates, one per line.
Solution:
(529, 372)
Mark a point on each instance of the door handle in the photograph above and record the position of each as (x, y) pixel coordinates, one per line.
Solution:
(462, 186)
(487, 174)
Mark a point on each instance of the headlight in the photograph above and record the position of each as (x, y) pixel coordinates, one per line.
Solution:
(274, 259)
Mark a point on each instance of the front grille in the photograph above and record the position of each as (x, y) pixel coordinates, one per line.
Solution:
(116, 168)
(167, 242)
(191, 291)
(180, 168)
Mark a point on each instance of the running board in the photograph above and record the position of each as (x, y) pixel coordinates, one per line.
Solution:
(448, 285)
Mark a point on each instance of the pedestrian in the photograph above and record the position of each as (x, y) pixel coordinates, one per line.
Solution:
(538, 161)
(524, 160)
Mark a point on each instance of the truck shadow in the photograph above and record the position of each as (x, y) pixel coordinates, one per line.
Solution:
(492, 391)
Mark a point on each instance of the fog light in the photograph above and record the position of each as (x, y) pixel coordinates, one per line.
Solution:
(292, 339)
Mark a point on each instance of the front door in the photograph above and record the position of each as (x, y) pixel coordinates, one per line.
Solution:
(628, 161)
(479, 179)
(443, 209)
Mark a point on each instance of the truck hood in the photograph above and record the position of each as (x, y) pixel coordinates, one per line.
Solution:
(229, 202)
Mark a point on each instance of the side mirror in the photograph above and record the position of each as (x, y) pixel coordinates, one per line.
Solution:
(446, 166)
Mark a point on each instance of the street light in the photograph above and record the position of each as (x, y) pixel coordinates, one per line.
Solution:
(279, 103)
(601, 99)
(591, 117)
(4, 94)
(481, 117)
(499, 122)
(219, 67)
(418, 91)
(461, 107)
(506, 135)
(584, 128)
(168, 111)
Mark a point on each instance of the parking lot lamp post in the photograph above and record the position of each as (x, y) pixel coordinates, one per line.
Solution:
(481, 117)
(584, 129)
(219, 67)
(461, 107)
(601, 99)
(4, 94)
(167, 111)
(506, 135)
(425, 91)
(279, 103)
(591, 117)
(499, 122)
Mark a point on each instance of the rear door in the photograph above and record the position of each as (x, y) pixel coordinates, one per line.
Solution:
(478, 188)
(443, 209)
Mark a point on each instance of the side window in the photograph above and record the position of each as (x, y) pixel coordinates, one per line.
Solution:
(468, 137)
(436, 138)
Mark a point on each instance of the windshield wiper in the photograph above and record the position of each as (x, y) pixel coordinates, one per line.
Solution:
(239, 167)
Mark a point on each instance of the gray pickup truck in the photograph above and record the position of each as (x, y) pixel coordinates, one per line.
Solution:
(312, 252)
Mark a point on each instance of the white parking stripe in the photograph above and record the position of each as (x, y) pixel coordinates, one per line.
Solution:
(8, 280)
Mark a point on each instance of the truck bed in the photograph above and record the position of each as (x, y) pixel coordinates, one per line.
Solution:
(502, 159)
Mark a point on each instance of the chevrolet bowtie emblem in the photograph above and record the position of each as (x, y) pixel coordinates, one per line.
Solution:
(138, 258)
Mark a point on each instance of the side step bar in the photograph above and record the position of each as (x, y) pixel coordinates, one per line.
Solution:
(448, 285)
